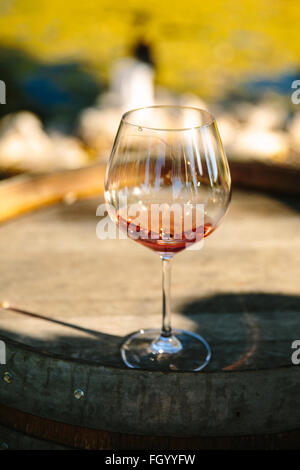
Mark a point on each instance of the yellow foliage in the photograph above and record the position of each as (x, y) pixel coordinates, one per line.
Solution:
(198, 46)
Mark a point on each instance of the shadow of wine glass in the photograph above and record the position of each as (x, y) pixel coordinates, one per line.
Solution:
(245, 331)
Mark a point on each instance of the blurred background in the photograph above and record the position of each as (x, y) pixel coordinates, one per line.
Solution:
(72, 68)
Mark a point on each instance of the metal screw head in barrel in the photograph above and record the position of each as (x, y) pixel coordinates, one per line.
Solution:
(7, 377)
(78, 394)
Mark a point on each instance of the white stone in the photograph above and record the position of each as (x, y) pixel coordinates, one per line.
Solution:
(261, 144)
(25, 146)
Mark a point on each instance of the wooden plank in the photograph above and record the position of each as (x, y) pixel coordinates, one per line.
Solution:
(274, 178)
(25, 431)
(25, 193)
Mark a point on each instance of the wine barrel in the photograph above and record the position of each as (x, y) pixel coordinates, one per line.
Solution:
(68, 300)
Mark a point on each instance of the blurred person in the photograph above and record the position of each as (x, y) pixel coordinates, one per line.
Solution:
(131, 84)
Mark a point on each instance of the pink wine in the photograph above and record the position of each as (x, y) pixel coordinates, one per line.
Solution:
(172, 239)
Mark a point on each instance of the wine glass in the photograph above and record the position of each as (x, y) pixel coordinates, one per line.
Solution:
(167, 186)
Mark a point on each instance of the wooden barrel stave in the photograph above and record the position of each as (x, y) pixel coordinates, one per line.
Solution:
(33, 432)
(199, 407)
(10, 439)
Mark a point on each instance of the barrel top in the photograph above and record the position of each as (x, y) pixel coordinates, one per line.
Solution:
(75, 296)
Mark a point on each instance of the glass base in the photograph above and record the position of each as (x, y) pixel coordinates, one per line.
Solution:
(183, 351)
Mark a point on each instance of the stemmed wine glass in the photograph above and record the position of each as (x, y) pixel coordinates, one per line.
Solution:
(167, 186)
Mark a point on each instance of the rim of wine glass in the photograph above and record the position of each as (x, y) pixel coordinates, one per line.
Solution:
(209, 123)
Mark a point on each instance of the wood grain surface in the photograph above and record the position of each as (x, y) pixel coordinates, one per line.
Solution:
(73, 299)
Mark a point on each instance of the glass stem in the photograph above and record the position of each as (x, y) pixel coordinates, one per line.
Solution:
(166, 331)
